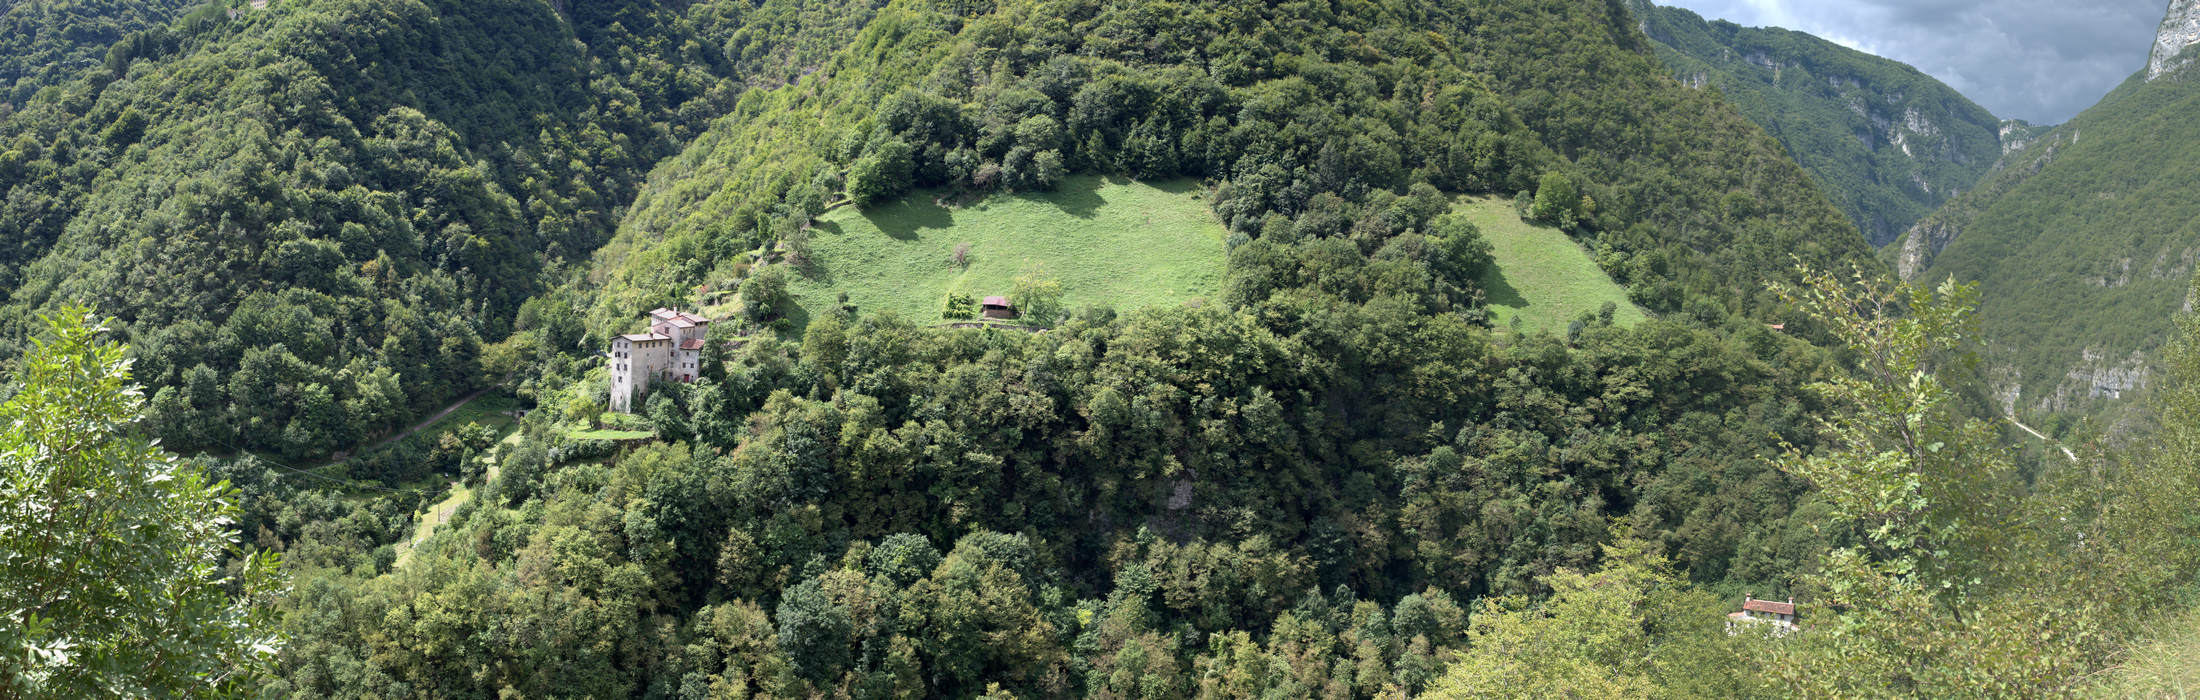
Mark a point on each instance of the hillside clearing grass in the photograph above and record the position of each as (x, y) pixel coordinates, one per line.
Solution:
(2164, 665)
(1542, 277)
(1110, 241)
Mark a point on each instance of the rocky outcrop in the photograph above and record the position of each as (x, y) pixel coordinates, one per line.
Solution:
(1924, 241)
(2180, 30)
(2097, 377)
(2017, 133)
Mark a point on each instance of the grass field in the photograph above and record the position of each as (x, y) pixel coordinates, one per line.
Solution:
(1542, 277)
(1110, 241)
(489, 409)
(2165, 665)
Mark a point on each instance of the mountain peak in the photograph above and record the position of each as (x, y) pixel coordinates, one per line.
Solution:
(2180, 30)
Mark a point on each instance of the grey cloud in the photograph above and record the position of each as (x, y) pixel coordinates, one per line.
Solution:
(2040, 60)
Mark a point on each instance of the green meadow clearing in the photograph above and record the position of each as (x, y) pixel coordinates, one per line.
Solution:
(1111, 241)
(1542, 277)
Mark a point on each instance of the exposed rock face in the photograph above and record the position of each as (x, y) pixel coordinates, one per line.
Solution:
(1924, 241)
(2180, 29)
(2017, 133)
(2096, 377)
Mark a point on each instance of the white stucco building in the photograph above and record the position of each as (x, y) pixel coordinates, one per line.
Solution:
(671, 350)
(1780, 617)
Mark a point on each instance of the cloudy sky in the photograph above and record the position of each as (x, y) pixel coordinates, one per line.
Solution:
(2039, 60)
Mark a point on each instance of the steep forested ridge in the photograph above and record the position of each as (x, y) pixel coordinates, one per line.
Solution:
(1293, 489)
(309, 217)
(46, 42)
(2083, 243)
(1889, 144)
(1330, 478)
(1685, 199)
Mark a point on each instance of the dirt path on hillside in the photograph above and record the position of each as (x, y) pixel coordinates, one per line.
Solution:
(423, 425)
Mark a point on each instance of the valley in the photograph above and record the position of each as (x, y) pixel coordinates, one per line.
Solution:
(1887, 143)
(2083, 244)
(1069, 348)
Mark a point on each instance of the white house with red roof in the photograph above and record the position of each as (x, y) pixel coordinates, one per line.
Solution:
(671, 350)
(1781, 616)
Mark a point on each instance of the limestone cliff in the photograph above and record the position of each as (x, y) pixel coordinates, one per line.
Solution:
(2180, 30)
(1922, 242)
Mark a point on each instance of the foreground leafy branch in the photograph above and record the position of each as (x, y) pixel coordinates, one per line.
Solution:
(115, 577)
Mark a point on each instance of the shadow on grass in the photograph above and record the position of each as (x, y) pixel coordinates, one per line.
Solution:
(796, 318)
(902, 220)
(1499, 291)
(1079, 197)
(1178, 186)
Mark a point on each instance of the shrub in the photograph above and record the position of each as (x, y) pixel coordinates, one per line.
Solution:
(960, 306)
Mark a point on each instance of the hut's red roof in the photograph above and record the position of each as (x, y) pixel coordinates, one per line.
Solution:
(997, 301)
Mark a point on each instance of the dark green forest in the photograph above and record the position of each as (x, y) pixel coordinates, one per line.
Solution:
(48, 42)
(306, 227)
(1888, 143)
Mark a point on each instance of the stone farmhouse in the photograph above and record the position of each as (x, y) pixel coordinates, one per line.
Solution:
(670, 351)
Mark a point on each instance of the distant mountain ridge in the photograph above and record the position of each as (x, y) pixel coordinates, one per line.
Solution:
(1888, 143)
(2085, 239)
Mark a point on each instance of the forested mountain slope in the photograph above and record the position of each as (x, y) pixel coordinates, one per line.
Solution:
(2084, 243)
(1330, 476)
(1889, 144)
(311, 216)
(1294, 489)
(1686, 201)
(45, 42)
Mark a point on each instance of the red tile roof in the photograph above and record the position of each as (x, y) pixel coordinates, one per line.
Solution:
(695, 344)
(996, 301)
(1767, 606)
